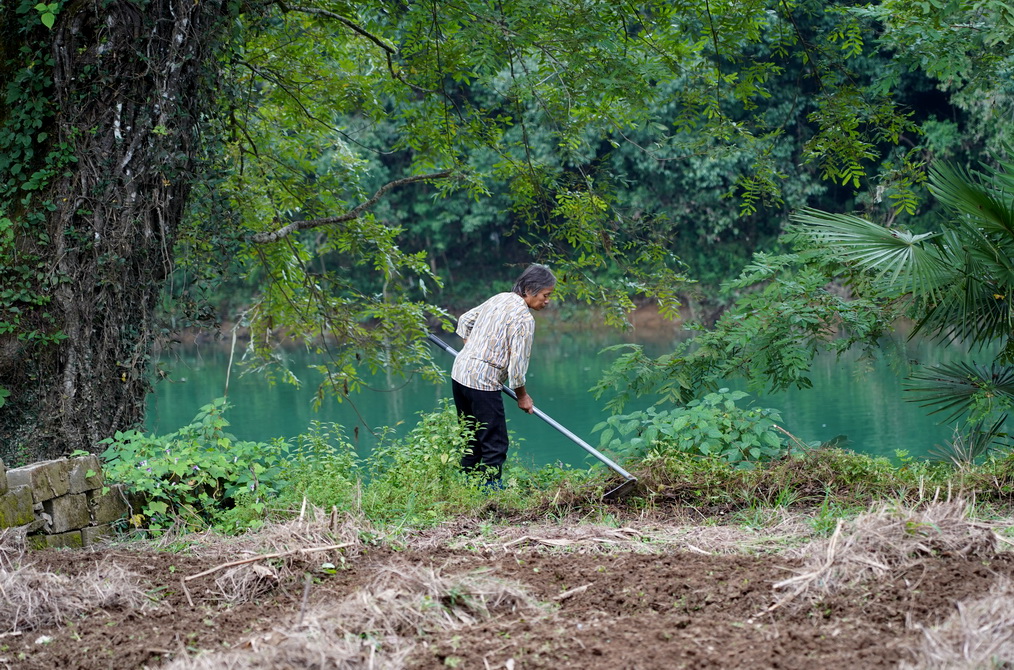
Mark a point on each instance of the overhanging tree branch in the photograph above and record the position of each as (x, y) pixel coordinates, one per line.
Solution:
(390, 51)
(351, 25)
(273, 236)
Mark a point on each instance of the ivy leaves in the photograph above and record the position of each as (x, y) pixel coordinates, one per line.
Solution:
(47, 13)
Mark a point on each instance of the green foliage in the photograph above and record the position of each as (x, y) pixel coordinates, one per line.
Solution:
(415, 479)
(595, 138)
(418, 478)
(47, 13)
(963, 46)
(712, 426)
(199, 476)
(971, 445)
(981, 390)
(956, 284)
(322, 468)
(604, 139)
(29, 162)
(829, 514)
(784, 314)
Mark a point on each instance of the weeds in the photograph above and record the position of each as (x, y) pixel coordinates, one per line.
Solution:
(200, 477)
(192, 477)
(712, 426)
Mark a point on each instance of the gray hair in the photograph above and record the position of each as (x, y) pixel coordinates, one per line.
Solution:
(535, 278)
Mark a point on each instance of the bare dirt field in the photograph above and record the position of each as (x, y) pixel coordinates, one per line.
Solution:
(888, 591)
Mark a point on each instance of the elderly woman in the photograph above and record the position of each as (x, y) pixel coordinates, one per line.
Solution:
(498, 342)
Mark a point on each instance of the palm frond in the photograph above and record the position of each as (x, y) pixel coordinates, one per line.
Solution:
(955, 387)
(974, 196)
(975, 305)
(968, 447)
(1003, 175)
(899, 259)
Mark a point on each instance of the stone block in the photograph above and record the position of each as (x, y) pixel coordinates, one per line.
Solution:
(97, 534)
(69, 512)
(85, 474)
(71, 540)
(47, 479)
(3, 479)
(16, 507)
(42, 524)
(109, 506)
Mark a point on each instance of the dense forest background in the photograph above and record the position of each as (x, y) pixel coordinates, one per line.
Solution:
(347, 172)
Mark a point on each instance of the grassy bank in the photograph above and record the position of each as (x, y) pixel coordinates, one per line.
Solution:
(200, 477)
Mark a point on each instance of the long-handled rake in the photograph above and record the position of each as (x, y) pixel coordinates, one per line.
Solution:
(629, 480)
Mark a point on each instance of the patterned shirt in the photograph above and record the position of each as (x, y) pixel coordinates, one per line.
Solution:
(498, 342)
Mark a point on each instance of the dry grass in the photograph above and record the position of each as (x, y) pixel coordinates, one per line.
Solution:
(782, 529)
(314, 528)
(414, 600)
(12, 547)
(256, 562)
(377, 627)
(31, 599)
(244, 583)
(980, 634)
(884, 540)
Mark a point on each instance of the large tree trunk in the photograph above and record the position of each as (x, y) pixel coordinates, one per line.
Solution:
(131, 83)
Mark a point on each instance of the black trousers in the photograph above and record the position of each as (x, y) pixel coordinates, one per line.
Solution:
(488, 447)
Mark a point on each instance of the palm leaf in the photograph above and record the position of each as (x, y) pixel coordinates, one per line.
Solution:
(953, 387)
(1003, 175)
(975, 305)
(974, 196)
(966, 448)
(898, 258)
(971, 312)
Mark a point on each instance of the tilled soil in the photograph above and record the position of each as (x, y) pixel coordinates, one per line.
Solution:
(600, 606)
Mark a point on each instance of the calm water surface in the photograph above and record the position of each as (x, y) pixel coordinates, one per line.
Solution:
(850, 397)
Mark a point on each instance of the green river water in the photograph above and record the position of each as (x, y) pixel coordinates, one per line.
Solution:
(849, 397)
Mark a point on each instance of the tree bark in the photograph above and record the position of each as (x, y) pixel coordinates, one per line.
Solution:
(132, 81)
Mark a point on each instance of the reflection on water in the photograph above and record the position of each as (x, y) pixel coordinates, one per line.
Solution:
(856, 398)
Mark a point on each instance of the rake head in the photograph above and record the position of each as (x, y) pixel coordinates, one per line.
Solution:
(621, 491)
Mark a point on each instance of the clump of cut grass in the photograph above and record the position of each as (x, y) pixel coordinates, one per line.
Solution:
(258, 561)
(302, 649)
(591, 538)
(32, 599)
(691, 481)
(12, 547)
(413, 601)
(980, 634)
(243, 583)
(581, 537)
(797, 480)
(887, 539)
(377, 627)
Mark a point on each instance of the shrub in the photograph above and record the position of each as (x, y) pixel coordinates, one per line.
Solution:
(193, 478)
(323, 468)
(712, 426)
(418, 478)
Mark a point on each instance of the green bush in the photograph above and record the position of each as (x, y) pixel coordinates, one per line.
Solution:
(418, 478)
(712, 426)
(198, 477)
(323, 468)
